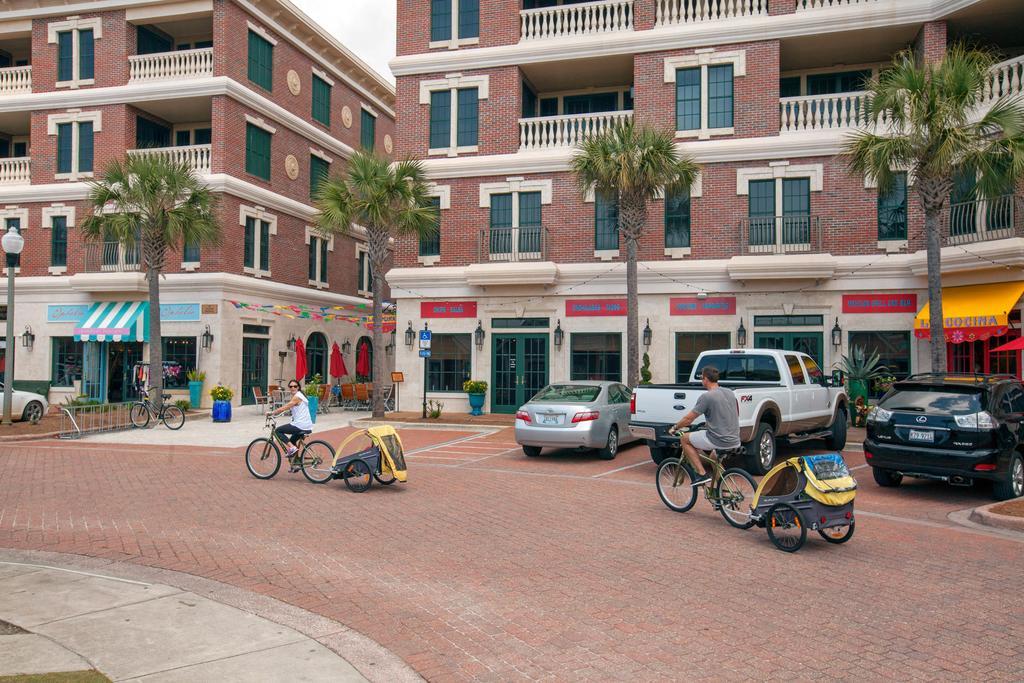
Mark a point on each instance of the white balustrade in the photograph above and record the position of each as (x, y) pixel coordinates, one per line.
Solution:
(195, 156)
(583, 19)
(549, 132)
(16, 171)
(15, 80)
(669, 12)
(823, 4)
(1005, 79)
(162, 66)
(823, 112)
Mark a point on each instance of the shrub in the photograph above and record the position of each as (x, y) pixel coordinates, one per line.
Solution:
(221, 393)
(184, 404)
(645, 370)
(474, 386)
(434, 409)
(195, 376)
(312, 387)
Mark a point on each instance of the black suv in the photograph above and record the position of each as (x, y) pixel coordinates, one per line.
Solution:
(956, 428)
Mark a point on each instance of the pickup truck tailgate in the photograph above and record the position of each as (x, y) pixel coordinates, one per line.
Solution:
(665, 405)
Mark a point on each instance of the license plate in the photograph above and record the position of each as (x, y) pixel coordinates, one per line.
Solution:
(549, 419)
(920, 435)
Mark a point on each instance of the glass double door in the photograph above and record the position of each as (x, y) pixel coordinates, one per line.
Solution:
(254, 367)
(519, 369)
(804, 342)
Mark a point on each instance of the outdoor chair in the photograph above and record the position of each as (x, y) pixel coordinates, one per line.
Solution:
(348, 396)
(362, 397)
(325, 398)
(389, 399)
(261, 400)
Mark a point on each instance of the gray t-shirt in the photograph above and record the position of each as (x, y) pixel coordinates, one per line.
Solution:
(721, 416)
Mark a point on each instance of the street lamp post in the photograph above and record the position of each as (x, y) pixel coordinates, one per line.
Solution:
(12, 243)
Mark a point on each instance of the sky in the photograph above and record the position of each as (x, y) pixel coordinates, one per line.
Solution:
(367, 27)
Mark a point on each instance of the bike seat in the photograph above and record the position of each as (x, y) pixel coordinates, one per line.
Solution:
(165, 396)
(306, 432)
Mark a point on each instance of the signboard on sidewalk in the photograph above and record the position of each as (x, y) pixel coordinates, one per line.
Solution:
(585, 308)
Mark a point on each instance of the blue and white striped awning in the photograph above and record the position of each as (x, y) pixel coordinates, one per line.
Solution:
(115, 321)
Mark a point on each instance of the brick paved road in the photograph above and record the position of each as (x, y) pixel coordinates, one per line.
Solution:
(491, 566)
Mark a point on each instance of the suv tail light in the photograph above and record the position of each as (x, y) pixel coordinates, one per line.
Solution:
(985, 468)
(979, 420)
(523, 415)
(585, 416)
(632, 404)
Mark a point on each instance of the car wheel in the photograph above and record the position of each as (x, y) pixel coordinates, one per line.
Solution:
(761, 451)
(532, 451)
(33, 412)
(1012, 486)
(886, 478)
(611, 447)
(836, 441)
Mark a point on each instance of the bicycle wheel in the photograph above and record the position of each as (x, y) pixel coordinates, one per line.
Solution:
(357, 476)
(173, 417)
(785, 527)
(837, 534)
(675, 485)
(317, 462)
(139, 415)
(735, 494)
(384, 478)
(263, 458)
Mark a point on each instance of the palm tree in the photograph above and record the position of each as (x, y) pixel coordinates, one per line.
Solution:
(927, 119)
(632, 165)
(150, 205)
(388, 200)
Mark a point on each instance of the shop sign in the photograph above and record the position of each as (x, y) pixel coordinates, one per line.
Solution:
(66, 313)
(880, 303)
(448, 309)
(179, 313)
(691, 305)
(583, 308)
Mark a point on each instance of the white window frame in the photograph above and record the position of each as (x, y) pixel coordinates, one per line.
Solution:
(258, 213)
(13, 212)
(73, 25)
(704, 58)
(75, 117)
(364, 288)
(313, 234)
(777, 171)
(455, 42)
(514, 186)
(444, 195)
(58, 211)
(871, 183)
(453, 83)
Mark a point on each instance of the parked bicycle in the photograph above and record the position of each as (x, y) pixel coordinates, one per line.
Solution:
(263, 456)
(143, 410)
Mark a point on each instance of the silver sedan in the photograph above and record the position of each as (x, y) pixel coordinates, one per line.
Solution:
(584, 415)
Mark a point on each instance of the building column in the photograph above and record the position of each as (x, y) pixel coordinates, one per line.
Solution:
(781, 7)
(930, 43)
(643, 15)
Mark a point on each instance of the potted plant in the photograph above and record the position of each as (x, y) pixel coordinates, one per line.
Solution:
(312, 392)
(883, 384)
(860, 369)
(645, 370)
(221, 396)
(195, 386)
(477, 391)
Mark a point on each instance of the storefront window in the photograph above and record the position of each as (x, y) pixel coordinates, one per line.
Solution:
(449, 363)
(179, 357)
(596, 357)
(689, 345)
(893, 349)
(316, 356)
(67, 361)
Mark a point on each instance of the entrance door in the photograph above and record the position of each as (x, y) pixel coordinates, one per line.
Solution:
(94, 370)
(804, 342)
(519, 365)
(121, 359)
(254, 367)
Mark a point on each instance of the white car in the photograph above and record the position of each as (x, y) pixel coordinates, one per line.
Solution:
(25, 405)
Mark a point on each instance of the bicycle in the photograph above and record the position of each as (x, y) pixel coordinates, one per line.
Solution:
(142, 410)
(263, 455)
(730, 491)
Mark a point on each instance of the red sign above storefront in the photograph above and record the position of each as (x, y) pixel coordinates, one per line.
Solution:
(880, 303)
(583, 308)
(716, 305)
(448, 309)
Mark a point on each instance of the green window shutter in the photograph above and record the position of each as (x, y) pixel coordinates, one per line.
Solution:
(318, 171)
(323, 261)
(688, 99)
(59, 241)
(191, 252)
(606, 223)
(261, 61)
(264, 245)
(361, 272)
(257, 151)
(313, 251)
(530, 241)
(85, 147)
(321, 101)
(367, 130)
(440, 119)
(64, 140)
(249, 248)
(720, 96)
(677, 220)
(440, 20)
(86, 58)
(892, 210)
(467, 124)
(796, 210)
(65, 56)
(469, 18)
(430, 245)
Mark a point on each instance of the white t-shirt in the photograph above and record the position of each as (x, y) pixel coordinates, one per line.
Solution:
(300, 413)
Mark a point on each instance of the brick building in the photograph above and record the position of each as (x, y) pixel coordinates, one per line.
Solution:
(777, 245)
(261, 102)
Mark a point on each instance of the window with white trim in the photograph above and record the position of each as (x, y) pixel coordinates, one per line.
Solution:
(17, 218)
(75, 41)
(319, 247)
(74, 131)
(258, 226)
(364, 273)
(58, 219)
(454, 23)
(454, 114)
(516, 227)
(705, 84)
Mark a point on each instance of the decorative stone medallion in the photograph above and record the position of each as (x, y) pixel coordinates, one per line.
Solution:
(294, 84)
(346, 116)
(389, 144)
(291, 167)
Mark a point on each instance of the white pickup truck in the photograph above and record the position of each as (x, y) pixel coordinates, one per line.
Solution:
(780, 393)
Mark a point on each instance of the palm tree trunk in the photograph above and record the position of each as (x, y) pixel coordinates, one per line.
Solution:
(377, 244)
(156, 351)
(933, 233)
(632, 218)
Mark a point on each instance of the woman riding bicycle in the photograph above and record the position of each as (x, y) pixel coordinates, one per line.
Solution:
(301, 423)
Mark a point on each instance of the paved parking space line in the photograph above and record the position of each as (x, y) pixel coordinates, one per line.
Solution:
(507, 451)
(618, 469)
(859, 467)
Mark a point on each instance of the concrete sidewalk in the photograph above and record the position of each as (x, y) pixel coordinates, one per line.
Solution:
(132, 630)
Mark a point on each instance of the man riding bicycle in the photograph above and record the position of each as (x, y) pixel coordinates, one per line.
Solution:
(721, 419)
(301, 423)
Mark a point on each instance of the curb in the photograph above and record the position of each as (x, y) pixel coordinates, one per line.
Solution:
(17, 438)
(984, 515)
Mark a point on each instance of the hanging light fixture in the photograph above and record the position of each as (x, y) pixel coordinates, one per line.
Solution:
(647, 333)
(346, 346)
(291, 343)
(207, 339)
(394, 338)
(559, 335)
(837, 335)
(28, 338)
(410, 335)
(741, 336)
(478, 335)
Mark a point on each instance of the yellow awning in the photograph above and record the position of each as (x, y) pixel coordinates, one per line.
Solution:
(973, 312)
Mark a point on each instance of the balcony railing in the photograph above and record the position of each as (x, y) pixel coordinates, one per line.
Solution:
(196, 157)
(549, 132)
(16, 80)
(111, 257)
(670, 12)
(15, 171)
(984, 220)
(164, 66)
(824, 4)
(1005, 79)
(512, 245)
(781, 234)
(573, 21)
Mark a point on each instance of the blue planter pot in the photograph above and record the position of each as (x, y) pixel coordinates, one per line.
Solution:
(476, 402)
(195, 393)
(314, 407)
(222, 411)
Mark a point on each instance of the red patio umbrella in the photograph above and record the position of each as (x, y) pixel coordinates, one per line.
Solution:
(363, 361)
(300, 360)
(338, 368)
(1016, 345)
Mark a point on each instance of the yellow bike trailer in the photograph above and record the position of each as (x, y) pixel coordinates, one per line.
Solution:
(383, 460)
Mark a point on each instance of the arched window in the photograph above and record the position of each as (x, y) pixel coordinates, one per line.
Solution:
(316, 356)
(364, 358)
